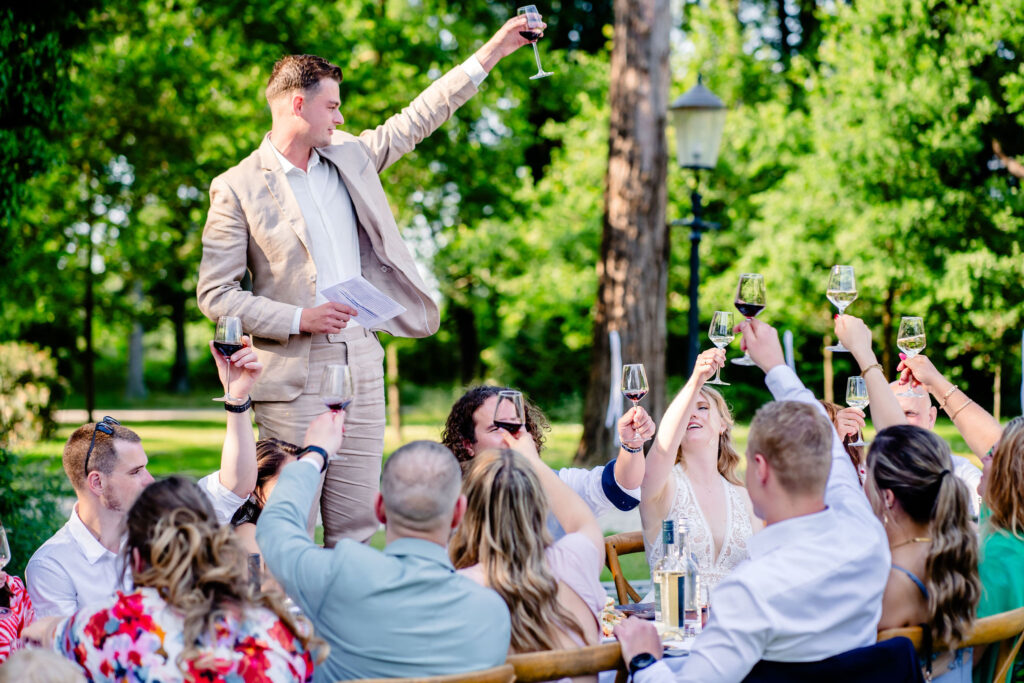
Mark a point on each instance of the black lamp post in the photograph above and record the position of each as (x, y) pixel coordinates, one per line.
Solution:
(698, 117)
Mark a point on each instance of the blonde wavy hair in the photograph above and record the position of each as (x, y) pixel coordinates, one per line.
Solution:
(198, 566)
(728, 458)
(505, 531)
(1004, 493)
(917, 466)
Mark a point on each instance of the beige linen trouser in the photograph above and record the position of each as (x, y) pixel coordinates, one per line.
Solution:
(346, 501)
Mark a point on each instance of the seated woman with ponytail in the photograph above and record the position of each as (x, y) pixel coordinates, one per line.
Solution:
(192, 615)
(551, 588)
(926, 513)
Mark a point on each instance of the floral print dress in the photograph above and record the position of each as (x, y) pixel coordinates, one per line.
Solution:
(138, 638)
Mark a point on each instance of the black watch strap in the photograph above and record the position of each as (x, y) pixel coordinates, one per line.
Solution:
(240, 408)
(641, 662)
(315, 449)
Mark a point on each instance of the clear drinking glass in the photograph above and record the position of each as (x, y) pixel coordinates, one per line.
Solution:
(634, 382)
(841, 291)
(227, 340)
(5, 548)
(857, 397)
(509, 413)
(336, 387)
(911, 341)
(533, 21)
(750, 301)
(721, 335)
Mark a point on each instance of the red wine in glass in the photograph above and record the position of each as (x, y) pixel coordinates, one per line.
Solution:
(530, 35)
(510, 427)
(635, 396)
(336, 404)
(227, 349)
(748, 310)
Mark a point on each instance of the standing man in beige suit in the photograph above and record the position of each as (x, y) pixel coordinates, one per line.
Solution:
(307, 210)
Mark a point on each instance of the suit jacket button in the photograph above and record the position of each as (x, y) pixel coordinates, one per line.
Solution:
(312, 278)
(385, 269)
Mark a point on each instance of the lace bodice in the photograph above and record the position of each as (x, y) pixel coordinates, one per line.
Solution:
(702, 543)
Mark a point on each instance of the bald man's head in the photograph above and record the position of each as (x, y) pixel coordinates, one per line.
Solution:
(918, 410)
(420, 485)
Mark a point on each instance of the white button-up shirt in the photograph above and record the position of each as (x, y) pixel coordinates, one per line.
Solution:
(72, 570)
(812, 587)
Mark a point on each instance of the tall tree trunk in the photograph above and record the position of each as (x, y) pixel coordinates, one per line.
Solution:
(887, 345)
(135, 387)
(997, 393)
(179, 371)
(469, 342)
(90, 376)
(632, 273)
(394, 395)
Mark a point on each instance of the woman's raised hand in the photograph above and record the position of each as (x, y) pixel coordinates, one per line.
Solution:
(708, 363)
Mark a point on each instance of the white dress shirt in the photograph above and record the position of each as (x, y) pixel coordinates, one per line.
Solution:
(72, 570)
(812, 587)
(330, 217)
(967, 472)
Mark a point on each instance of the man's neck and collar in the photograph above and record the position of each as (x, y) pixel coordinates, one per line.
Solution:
(396, 534)
(290, 148)
(105, 528)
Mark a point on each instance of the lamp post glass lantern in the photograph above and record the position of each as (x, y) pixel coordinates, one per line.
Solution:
(698, 116)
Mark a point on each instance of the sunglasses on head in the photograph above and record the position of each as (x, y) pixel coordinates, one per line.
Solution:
(106, 425)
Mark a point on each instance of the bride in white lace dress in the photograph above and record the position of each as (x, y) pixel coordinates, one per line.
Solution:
(691, 476)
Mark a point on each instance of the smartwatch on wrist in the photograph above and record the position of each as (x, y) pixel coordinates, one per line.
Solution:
(641, 662)
(315, 449)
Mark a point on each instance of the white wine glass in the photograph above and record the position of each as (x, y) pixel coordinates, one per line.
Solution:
(911, 341)
(721, 335)
(509, 413)
(841, 291)
(750, 301)
(228, 340)
(857, 397)
(532, 34)
(634, 382)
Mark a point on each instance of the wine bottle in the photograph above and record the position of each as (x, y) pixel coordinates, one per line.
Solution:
(691, 593)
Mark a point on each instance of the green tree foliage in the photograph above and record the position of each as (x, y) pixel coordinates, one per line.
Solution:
(30, 390)
(29, 507)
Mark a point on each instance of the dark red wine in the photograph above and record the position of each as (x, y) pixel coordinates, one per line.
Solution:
(530, 35)
(749, 310)
(343, 405)
(510, 427)
(226, 349)
(635, 395)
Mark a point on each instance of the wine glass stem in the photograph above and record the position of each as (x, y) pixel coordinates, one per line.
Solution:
(229, 376)
(536, 55)
(718, 375)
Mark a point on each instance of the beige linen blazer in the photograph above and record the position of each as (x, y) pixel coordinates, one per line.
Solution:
(255, 226)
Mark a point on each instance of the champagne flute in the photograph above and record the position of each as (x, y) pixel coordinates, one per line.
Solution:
(227, 340)
(533, 23)
(750, 301)
(857, 397)
(721, 335)
(509, 413)
(911, 341)
(841, 291)
(634, 382)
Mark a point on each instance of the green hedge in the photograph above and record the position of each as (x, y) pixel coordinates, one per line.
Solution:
(29, 390)
(29, 506)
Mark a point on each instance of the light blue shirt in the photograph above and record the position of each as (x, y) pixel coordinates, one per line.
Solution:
(398, 613)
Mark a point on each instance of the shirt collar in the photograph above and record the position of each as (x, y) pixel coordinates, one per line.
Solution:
(287, 166)
(783, 533)
(91, 547)
(418, 547)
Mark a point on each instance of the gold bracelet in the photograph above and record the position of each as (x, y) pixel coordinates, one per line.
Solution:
(958, 410)
(872, 367)
(945, 397)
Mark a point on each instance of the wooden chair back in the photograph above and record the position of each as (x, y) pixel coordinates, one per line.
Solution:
(1005, 628)
(551, 665)
(622, 544)
(499, 674)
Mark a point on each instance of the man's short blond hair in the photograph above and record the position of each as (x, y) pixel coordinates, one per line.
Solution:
(104, 454)
(796, 441)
